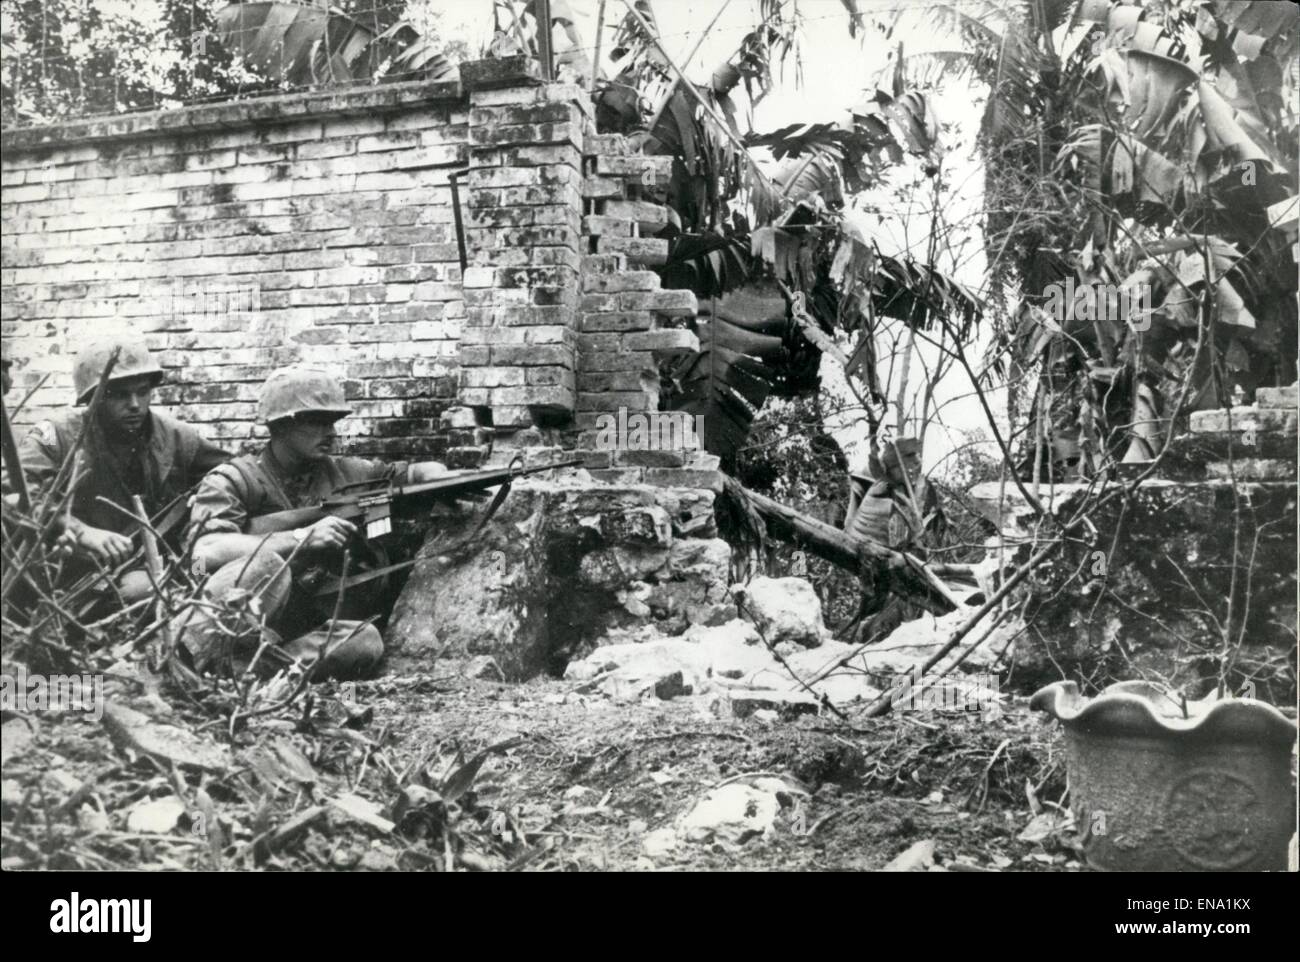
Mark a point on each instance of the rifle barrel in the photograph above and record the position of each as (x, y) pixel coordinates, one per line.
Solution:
(446, 487)
(476, 480)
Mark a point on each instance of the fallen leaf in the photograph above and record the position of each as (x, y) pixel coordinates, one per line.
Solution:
(1046, 825)
(459, 781)
(212, 824)
(917, 858)
(1034, 805)
(363, 810)
(289, 830)
(156, 816)
(92, 819)
(133, 730)
(294, 763)
(15, 739)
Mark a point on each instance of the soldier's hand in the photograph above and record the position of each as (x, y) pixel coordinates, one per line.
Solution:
(427, 471)
(107, 547)
(65, 544)
(328, 533)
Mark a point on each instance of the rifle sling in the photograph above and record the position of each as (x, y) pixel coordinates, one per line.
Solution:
(333, 585)
(14, 467)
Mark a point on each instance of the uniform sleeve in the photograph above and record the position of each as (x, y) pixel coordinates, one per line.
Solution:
(219, 505)
(41, 455)
(206, 457)
(362, 469)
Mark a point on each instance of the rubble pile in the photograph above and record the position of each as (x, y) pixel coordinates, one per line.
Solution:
(1148, 598)
(627, 591)
(562, 564)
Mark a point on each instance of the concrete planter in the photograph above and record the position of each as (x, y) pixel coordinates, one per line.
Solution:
(1155, 787)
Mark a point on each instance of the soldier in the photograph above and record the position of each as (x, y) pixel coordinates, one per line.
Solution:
(301, 406)
(880, 501)
(128, 450)
(6, 382)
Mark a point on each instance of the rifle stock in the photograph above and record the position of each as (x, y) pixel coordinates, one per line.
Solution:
(289, 520)
(382, 499)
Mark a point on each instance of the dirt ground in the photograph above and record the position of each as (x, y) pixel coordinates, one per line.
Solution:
(388, 774)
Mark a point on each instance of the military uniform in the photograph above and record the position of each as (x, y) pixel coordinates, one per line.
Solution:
(286, 592)
(164, 461)
(253, 485)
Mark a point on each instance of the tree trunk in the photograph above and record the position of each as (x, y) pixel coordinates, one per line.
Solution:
(861, 556)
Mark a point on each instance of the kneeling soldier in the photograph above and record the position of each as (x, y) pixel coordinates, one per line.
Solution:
(300, 406)
(128, 450)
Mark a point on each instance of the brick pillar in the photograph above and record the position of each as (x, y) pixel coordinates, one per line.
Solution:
(523, 212)
(630, 326)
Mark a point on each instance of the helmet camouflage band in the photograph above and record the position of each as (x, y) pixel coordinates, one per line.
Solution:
(133, 360)
(300, 390)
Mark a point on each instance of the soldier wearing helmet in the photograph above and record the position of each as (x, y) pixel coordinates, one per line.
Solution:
(301, 406)
(128, 450)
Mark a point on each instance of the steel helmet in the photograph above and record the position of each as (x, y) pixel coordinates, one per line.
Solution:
(133, 360)
(909, 449)
(300, 390)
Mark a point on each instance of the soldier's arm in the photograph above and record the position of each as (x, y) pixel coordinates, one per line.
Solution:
(206, 457)
(42, 455)
(425, 471)
(399, 472)
(219, 517)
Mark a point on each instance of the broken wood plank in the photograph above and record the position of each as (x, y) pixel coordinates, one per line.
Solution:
(853, 554)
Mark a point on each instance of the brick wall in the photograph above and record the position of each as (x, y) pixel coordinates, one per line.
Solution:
(566, 320)
(320, 227)
(239, 237)
(519, 348)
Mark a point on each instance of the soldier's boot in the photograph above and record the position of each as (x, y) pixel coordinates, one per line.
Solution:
(226, 628)
(352, 650)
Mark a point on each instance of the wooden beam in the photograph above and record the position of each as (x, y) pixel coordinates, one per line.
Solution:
(595, 60)
(544, 27)
(858, 555)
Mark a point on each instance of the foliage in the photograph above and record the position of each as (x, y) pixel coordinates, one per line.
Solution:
(75, 58)
(789, 455)
(70, 58)
(745, 224)
(1139, 157)
(295, 45)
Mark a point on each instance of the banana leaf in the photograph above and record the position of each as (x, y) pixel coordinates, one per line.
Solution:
(742, 350)
(299, 45)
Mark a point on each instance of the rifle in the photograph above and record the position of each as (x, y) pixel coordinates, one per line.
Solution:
(13, 466)
(371, 505)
